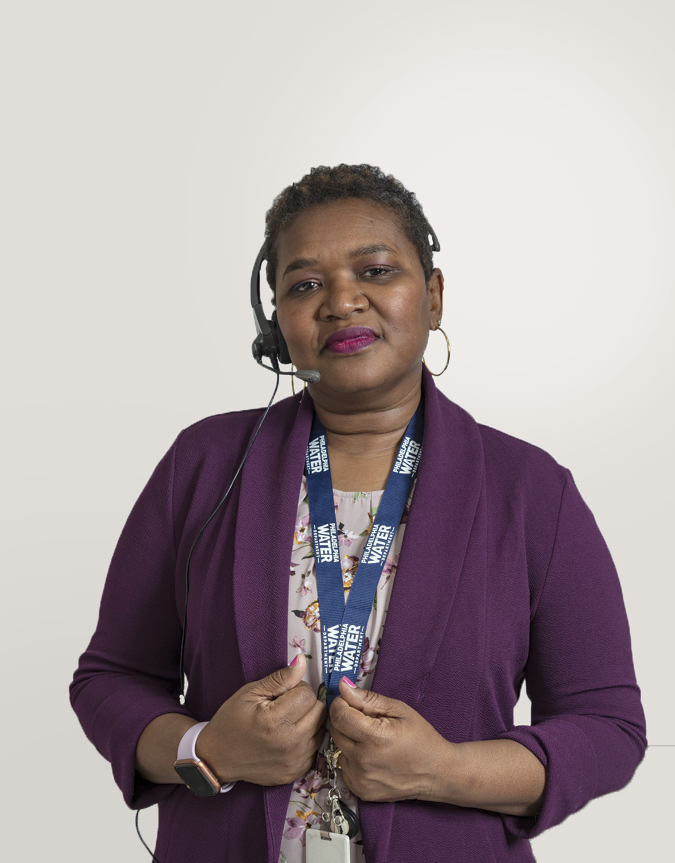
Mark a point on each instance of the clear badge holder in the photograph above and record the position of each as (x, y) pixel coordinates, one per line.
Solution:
(331, 848)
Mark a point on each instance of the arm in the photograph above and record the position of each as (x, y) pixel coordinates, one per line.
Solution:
(128, 676)
(125, 690)
(587, 735)
(498, 775)
(588, 727)
(158, 745)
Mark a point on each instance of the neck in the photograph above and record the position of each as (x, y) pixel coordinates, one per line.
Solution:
(363, 440)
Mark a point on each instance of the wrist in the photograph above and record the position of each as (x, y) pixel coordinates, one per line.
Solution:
(211, 749)
(196, 773)
(157, 746)
(445, 777)
(497, 775)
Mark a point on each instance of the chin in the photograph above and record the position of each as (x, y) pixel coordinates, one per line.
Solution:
(354, 381)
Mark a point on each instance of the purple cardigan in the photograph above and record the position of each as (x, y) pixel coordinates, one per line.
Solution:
(523, 588)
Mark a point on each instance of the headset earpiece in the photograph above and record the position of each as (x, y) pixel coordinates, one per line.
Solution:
(270, 341)
(283, 355)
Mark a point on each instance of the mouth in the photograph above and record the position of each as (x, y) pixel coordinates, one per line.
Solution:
(350, 340)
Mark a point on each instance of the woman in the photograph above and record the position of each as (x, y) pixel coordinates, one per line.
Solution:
(496, 573)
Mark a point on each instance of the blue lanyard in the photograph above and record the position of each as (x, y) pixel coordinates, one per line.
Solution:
(343, 625)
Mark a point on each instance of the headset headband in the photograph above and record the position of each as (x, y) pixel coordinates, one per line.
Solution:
(262, 325)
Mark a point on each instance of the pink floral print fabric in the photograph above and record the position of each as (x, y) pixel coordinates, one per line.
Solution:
(355, 512)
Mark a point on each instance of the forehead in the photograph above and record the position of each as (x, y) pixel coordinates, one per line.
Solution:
(335, 228)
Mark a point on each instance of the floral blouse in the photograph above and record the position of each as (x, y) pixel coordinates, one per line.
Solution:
(355, 512)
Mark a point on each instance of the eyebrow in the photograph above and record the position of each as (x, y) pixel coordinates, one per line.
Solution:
(302, 263)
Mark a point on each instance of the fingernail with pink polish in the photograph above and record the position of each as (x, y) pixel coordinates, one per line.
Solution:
(294, 661)
(348, 682)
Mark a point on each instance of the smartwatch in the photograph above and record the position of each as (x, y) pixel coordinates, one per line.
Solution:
(198, 777)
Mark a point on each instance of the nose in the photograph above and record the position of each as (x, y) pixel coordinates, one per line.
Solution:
(343, 297)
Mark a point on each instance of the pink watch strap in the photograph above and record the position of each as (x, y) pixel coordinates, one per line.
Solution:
(186, 749)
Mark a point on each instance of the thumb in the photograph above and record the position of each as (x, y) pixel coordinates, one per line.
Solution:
(368, 702)
(283, 679)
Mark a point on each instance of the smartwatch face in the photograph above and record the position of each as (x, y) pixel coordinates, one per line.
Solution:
(195, 780)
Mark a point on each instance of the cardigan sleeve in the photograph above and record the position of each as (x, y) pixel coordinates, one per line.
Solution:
(129, 673)
(588, 726)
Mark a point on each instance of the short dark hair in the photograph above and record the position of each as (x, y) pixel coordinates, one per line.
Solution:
(367, 182)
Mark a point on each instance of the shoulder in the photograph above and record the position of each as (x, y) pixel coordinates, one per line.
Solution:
(224, 433)
(519, 477)
(517, 460)
(524, 484)
(207, 449)
(507, 459)
(206, 455)
(219, 431)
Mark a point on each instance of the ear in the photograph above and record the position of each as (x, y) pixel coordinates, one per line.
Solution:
(435, 285)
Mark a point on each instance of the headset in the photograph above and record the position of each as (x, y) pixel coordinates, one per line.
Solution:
(269, 343)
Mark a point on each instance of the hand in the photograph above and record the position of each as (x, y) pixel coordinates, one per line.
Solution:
(268, 732)
(388, 751)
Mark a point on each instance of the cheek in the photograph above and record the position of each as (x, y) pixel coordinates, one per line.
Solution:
(409, 317)
(297, 330)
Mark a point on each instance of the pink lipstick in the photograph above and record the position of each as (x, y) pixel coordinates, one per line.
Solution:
(350, 340)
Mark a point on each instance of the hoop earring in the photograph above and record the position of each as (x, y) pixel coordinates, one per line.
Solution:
(304, 387)
(447, 362)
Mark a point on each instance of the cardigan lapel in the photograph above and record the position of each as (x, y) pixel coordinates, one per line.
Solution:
(442, 515)
(268, 504)
(445, 510)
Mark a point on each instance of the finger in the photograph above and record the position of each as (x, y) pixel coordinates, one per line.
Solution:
(344, 744)
(282, 680)
(313, 720)
(350, 722)
(368, 702)
(298, 704)
(318, 715)
(317, 740)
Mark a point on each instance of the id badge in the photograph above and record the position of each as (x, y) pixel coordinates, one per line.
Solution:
(335, 849)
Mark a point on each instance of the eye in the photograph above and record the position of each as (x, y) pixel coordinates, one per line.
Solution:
(304, 287)
(376, 272)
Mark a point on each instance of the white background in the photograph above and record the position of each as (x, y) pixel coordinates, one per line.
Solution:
(142, 143)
